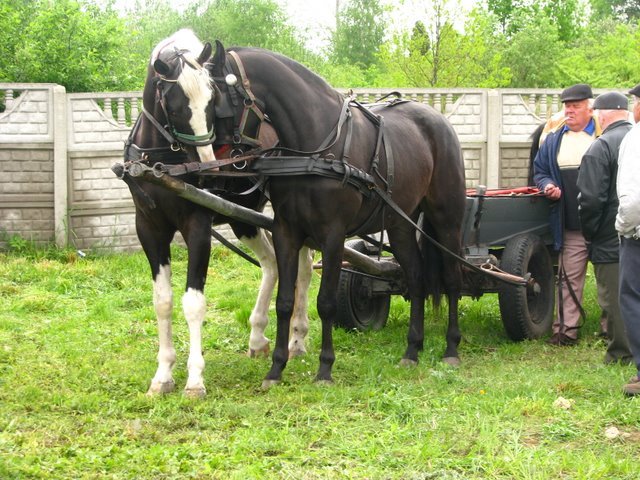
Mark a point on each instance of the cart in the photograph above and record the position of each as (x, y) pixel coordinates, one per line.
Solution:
(503, 230)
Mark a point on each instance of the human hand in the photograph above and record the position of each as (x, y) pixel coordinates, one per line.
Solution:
(552, 192)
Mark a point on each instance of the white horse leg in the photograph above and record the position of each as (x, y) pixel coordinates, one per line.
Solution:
(300, 319)
(162, 381)
(262, 246)
(194, 306)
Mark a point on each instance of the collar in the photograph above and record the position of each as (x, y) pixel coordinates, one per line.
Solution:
(590, 128)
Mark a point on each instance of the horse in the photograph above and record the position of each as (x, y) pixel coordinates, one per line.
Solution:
(354, 170)
(177, 125)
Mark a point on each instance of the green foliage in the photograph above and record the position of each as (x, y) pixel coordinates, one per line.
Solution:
(593, 62)
(69, 42)
(532, 55)
(86, 45)
(359, 33)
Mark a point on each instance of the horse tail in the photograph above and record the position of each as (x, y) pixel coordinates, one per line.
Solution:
(533, 151)
(433, 265)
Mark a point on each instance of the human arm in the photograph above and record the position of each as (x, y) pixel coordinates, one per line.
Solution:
(543, 172)
(594, 182)
(628, 182)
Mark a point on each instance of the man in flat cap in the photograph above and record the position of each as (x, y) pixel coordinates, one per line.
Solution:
(598, 207)
(555, 172)
(628, 226)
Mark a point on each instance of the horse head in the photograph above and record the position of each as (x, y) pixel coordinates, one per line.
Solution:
(179, 95)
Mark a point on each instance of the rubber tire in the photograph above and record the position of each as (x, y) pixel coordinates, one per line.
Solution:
(526, 315)
(355, 310)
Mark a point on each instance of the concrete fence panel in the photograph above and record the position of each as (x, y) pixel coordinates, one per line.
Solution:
(57, 149)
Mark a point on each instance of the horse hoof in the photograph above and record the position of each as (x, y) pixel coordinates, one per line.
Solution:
(407, 362)
(258, 353)
(267, 384)
(453, 361)
(161, 388)
(195, 393)
(324, 382)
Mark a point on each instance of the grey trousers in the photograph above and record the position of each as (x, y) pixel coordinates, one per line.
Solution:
(607, 277)
(630, 293)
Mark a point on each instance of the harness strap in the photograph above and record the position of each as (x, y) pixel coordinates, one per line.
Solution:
(168, 137)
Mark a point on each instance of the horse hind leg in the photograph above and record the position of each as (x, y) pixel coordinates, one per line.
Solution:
(408, 255)
(162, 381)
(449, 272)
(262, 246)
(300, 318)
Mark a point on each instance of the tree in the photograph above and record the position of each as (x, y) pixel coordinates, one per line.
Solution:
(359, 33)
(438, 55)
(622, 10)
(71, 43)
(532, 55)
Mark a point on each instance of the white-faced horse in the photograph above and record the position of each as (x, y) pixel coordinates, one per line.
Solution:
(177, 126)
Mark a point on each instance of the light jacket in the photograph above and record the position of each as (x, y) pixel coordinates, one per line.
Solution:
(628, 185)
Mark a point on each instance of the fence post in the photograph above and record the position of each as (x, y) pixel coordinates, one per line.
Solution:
(494, 128)
(60, 167)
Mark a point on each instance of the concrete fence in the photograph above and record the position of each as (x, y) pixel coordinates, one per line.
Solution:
(56, 151)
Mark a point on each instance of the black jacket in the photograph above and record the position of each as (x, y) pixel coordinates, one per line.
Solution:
(598, 199)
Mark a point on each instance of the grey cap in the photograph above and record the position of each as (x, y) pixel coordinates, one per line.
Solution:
(635, 90)
(611, 101)
(581, 91)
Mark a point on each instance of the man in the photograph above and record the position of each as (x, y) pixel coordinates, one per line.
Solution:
(598, 207)
(555, 172)
(628, 226)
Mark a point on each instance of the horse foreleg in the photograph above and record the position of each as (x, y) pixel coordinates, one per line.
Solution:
(287, 249)
(194, 306)
(197, 235)
(162, 381)
(300, 319)
(328, 302)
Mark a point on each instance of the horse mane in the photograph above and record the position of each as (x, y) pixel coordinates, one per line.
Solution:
(195, 81)
(311, 78)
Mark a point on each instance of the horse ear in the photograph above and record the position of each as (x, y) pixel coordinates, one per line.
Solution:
(205, 54)
(218, 60)
(162, 68)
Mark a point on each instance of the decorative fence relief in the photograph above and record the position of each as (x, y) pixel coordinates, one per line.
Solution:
(57, 149)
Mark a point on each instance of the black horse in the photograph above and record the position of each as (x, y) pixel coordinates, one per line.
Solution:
(177, 126)
(343, 164)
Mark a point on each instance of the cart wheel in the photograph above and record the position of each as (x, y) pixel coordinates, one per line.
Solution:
(357, 307)
(527, 312)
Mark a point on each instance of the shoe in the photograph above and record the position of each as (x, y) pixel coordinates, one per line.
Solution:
(554, 340)
(562, 340)
(567, 341)
(633, 387)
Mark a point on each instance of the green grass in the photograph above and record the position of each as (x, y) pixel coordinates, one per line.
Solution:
(77, 351)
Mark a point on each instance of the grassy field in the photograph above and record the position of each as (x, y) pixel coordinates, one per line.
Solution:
(77, 351)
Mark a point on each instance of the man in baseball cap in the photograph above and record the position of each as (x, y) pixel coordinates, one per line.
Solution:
(555, 172)
(598, 207)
